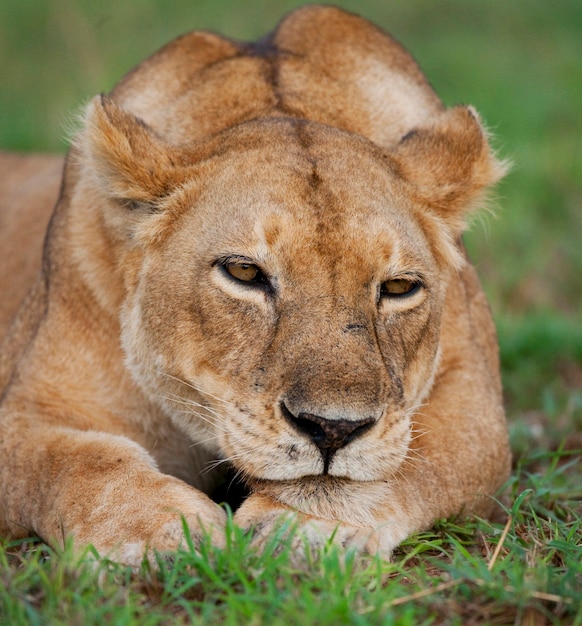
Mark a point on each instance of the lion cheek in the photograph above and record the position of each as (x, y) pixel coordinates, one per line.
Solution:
(139, 358)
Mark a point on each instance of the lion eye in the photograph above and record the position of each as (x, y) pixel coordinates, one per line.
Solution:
(245, 272)
(398, 287)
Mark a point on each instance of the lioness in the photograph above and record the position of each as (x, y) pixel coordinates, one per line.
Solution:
(255, 258)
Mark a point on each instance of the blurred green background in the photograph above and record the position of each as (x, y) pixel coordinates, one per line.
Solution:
(518, 61)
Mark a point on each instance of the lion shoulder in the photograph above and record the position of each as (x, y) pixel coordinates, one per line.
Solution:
(29, 187)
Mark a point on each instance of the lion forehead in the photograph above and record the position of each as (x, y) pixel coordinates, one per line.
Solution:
(290, 187)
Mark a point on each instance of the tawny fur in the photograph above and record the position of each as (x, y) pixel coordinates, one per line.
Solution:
(134, 365)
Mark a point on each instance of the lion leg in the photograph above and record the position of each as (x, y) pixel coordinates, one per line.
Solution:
(97, 489)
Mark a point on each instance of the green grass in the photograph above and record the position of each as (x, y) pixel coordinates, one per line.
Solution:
(519, 64)
(459, 573)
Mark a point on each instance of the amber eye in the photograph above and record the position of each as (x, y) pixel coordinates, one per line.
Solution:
(245, 272)
(398, 287)
(242, 271)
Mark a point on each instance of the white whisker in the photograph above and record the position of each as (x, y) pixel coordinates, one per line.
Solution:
(415, 408)
(212, 465)
(417, 454)
(418, 434)
(189, 410)
(204, 441)
(198, 389)
(399, 473)
(190, 402)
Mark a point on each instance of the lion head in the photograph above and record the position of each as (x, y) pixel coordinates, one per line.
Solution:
(281, 261)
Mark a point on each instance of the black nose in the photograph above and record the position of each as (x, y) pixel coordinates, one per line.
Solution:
(329, 435)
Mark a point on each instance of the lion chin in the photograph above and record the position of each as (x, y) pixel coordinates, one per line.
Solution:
(254, 261)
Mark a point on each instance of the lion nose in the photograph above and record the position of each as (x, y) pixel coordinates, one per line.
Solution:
(329, 435)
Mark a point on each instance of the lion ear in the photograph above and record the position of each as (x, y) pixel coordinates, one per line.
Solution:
(131, 163)
(450, 163)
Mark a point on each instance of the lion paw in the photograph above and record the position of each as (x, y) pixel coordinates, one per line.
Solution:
(270, 521)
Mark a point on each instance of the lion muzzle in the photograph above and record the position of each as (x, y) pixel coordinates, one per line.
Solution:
(329, 435)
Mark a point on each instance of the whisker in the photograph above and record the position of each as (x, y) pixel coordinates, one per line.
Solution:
(193, 444)
(418, 434)
(415, 455)
(414, 408)
(198, 389)
(206, 408)
(190, 411)
(200, 415)
(239, 475)
(190, 402)
(212, 465)
(400, 474)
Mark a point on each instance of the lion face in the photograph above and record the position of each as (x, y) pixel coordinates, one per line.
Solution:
(285, 310)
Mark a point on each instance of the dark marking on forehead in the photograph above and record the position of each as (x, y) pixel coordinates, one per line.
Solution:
(266, 49)
(305, 141)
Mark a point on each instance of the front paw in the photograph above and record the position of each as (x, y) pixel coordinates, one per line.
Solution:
(269, 520)
(159, 520)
